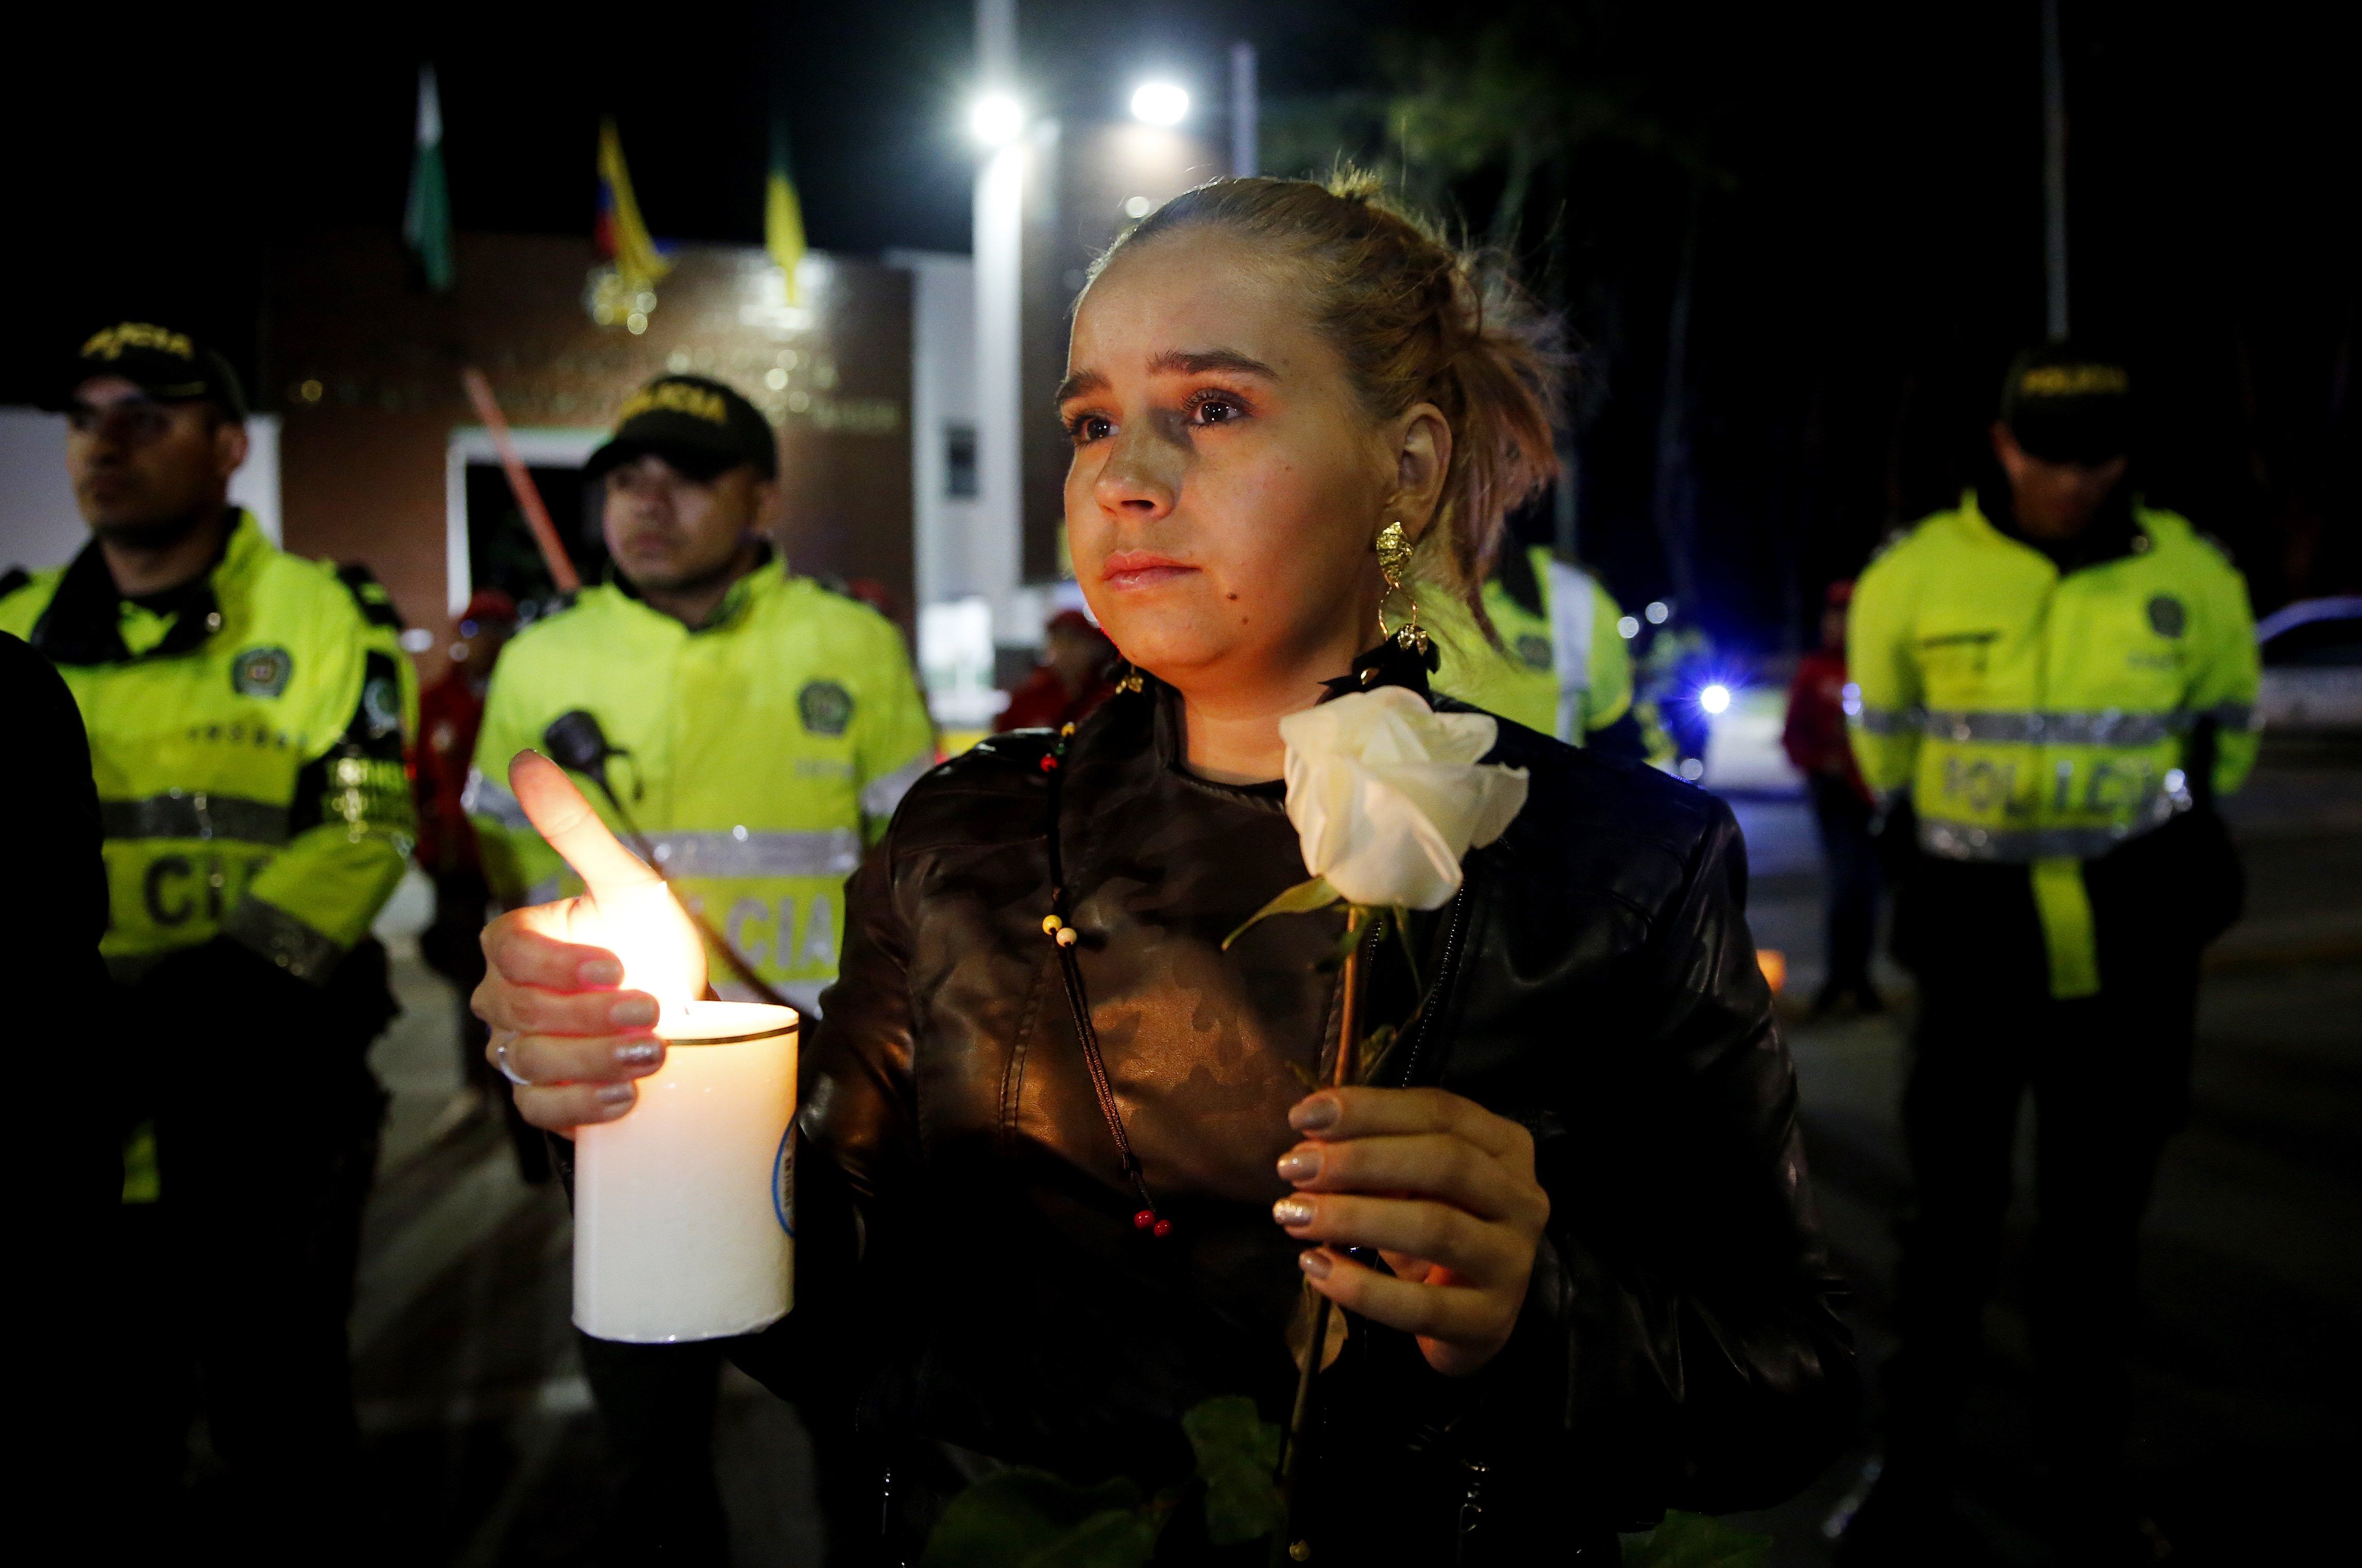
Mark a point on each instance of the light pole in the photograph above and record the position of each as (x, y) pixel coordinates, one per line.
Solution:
(1243, 128)
(995, 551)
(2054, 172)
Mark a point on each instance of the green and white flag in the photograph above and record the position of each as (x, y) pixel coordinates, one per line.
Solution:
(427, 220)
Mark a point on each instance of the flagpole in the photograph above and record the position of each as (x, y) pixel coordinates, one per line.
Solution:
(521, 485)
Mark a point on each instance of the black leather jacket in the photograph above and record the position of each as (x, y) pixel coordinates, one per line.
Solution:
(1680, 1344)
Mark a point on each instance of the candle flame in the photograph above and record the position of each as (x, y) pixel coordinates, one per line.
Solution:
(647, 930)
(629, 911)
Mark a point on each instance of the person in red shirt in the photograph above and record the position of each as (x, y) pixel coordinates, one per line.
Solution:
(451, 711)
(1073, 676)
(1815, 739)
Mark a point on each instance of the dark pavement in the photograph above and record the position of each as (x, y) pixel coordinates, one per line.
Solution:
(2246, 1360)
(482, 1448)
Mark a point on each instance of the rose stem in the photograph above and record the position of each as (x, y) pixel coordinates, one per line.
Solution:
(1299, 1420)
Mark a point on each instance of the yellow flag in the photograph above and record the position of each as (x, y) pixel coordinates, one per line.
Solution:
(621, 233)
(783, 229)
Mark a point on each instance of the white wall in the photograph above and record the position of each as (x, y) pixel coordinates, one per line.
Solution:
(39, 524)
(943, 393)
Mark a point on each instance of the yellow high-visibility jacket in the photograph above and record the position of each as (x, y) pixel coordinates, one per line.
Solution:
(1565, 672)
(246, 735)
(2044, 719)
(762, 752)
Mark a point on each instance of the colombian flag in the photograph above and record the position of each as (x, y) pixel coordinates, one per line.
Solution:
(622, 238)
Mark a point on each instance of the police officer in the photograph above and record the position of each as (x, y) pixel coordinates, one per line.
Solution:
(245, 712)
(2055, 682)
(753, 731)
(1562, 667)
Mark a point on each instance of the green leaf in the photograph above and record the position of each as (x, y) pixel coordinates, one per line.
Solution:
(1029, 1519)
(1303, 898)
(1696, 1541)
(1372, 1056)
(1238, 1451)
(1118, 1538)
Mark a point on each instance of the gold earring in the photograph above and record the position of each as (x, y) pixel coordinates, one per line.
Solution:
(1394, 565)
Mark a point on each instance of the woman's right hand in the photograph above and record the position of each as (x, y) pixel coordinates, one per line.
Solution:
(565, 1032)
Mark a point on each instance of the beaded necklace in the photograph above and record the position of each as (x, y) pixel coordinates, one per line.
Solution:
(1064, 937)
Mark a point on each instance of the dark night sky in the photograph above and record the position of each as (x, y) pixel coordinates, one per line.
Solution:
(1868, 259)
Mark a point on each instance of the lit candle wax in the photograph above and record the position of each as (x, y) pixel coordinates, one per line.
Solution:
(681, 1226)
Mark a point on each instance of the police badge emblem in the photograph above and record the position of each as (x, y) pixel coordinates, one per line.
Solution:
(825, 707)
(261, 672)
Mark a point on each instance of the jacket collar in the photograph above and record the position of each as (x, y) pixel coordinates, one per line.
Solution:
(1387, 664)
(2112, 535)
(83, 622)
(769, 571)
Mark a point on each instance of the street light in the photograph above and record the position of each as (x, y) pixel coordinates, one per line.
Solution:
(1715, 699)
(997, 119)
(1160, 104)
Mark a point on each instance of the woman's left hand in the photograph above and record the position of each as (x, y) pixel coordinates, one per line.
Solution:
(1443, 1189)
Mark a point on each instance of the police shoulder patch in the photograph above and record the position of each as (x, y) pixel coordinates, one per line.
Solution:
(825, 707)
(2166, 617)
(1533, 651)
(261, 672)
(380, 711)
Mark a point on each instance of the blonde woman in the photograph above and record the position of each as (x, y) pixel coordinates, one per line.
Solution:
(1568, 1221)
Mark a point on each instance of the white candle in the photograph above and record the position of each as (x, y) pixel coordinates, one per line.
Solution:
(680, 1225)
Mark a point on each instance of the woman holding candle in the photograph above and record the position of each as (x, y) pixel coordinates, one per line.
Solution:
(1594, 1288)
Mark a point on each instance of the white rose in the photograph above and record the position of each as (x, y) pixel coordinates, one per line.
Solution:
(1386, 795)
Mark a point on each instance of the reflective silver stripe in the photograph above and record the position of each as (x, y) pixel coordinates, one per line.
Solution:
(194, 814)
(2107, 727)
(487, 797)
(879, 798)
(282, 938)
(1966, 841)
(740, 851)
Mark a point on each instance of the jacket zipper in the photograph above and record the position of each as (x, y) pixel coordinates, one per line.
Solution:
(1445, 975)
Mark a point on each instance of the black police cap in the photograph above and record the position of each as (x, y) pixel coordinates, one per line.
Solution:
(698, 426)
(2065, 404)
(168, 365)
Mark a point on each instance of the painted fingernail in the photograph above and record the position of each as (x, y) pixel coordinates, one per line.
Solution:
(616, 1094)
(639, 1053)
(1300, 1165)
(600, 971)
(1312, 1116)
(632, 1011)
(1294, 1211)
(1315, 1263)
